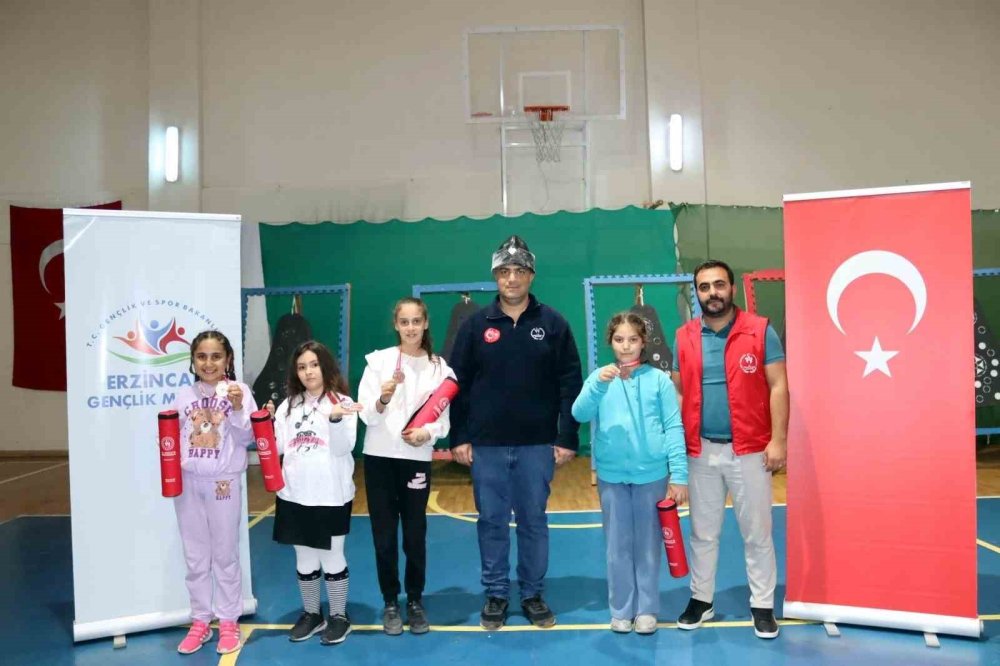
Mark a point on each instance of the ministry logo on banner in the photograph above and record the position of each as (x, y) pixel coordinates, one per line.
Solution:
(144, 350)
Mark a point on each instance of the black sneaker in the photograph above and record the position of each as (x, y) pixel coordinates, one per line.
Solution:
(537, 611)
(309, 625)
(392, 623)
(416, 617)
(494, 614)
(764, 624)
(337, 628)
(696, 612)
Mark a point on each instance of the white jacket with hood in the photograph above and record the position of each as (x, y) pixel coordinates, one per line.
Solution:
(422, 376)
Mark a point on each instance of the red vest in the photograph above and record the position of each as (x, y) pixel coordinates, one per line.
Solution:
(746, 383)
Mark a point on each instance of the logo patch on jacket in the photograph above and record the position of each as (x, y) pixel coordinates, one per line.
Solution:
(491, 335)
(748, 363)
(538, 333)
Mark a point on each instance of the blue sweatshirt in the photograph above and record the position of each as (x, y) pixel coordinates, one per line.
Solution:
(637, 434)
(517, 381)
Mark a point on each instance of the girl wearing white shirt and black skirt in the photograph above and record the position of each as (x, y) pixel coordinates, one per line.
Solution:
(316, 429)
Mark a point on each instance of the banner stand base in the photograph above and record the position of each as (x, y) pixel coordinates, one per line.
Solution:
(925, 623)
(119, 627)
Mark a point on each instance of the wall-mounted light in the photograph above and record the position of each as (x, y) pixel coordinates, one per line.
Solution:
(676, 142)
(172, 154)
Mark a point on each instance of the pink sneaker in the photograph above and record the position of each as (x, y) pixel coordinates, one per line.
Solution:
(199, 634)
(229, 637)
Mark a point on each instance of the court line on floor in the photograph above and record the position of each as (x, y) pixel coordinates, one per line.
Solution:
(988, 546)
(247, 629)
(550, 511)
(37, 471)
(433, 505)
(261, 516)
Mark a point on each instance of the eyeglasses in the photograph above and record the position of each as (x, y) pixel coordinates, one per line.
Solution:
(506, 273)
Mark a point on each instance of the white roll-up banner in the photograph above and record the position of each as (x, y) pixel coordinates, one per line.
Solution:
(139, 287)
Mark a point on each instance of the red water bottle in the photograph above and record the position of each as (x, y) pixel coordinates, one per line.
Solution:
(170, 453)
(673, 540)
(435, 405)
(267, 450)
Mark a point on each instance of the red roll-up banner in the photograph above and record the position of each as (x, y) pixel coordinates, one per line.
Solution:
(881, 440)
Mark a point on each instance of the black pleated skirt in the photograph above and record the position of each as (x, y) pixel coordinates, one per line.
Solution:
(312, 526)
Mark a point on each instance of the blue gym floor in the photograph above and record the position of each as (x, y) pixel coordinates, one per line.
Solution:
(36, 609)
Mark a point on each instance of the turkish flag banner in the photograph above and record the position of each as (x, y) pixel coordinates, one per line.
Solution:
(36, 266)
(881, 455)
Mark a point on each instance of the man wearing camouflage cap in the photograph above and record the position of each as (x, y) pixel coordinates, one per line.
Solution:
(519, 370)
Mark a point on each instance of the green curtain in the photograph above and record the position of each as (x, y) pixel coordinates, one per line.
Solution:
(750, 238)
(383, 261)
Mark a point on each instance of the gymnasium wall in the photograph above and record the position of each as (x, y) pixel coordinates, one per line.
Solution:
(782, 97)
(73, 87)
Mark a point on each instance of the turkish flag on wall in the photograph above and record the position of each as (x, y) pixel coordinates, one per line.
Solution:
(881, 454)
(36, 266)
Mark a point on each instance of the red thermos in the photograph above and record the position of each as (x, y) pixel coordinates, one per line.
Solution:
(673, 541)
(435, 405)
(170, 453)
(267, 450)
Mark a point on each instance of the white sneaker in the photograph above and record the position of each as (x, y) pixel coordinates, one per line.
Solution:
(645, 624)
(621, 626)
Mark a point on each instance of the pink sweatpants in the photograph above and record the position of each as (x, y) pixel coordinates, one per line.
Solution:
(208, 515)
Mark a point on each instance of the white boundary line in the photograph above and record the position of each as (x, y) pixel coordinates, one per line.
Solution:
(37, 471)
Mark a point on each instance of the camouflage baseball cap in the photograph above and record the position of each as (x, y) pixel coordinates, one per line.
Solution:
(513, 252)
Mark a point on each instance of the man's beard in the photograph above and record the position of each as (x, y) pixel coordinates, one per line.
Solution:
(727, 306)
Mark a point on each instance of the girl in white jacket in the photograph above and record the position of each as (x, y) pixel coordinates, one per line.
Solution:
(396, 382)
(316, 429)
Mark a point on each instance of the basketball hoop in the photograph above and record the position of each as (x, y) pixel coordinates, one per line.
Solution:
(546, 131)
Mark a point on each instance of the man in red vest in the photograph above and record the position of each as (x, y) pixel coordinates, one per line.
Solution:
(729, 370)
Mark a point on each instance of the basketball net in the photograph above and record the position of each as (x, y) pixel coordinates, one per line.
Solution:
(546, 131)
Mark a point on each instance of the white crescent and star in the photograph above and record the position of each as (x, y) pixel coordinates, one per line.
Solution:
(52, 251)
(876, 262)
(876, 359)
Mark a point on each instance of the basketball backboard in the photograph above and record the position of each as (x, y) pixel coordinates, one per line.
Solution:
(510, 67)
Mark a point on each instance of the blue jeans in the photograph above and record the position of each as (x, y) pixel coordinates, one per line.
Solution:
(505, 479)
(634, 546)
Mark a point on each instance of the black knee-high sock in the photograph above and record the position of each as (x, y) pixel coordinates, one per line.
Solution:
(336, 591)
(309, 588)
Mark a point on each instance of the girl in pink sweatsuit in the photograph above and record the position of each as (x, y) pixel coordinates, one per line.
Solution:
(215, 432)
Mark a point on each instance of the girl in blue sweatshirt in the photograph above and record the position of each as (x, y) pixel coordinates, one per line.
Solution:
(638, 443)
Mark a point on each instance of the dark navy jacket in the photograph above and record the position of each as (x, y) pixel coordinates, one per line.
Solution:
(517, 381)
